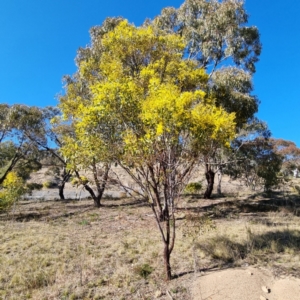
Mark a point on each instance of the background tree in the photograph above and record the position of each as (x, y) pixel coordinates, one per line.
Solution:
(35, 124)
(290, 154)
(254, 159)
(217, 37)
(17, 152)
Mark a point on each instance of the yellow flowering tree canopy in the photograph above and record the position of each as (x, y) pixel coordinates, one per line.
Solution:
(138, 101)
(145, 95)
(11, 190)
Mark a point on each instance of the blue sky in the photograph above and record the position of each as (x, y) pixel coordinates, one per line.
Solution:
(39, 40)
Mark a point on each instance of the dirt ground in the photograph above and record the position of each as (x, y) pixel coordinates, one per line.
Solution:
(245, 283)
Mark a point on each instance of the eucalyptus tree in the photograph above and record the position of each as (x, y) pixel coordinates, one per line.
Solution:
(218, 38)
(36, 124)
(26, 134)
(254, 159)
(290, 154)
(258, 166)
(17, 151)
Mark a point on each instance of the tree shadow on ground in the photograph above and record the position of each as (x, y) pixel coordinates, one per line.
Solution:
(256, 203)
(55, 209)
(199, 271)
(257, 248)
(133, 203)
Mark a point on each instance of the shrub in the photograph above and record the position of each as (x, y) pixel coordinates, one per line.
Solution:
(11, 190)
(144, 270)
(49, 184)
(34, 186)
(193, 188)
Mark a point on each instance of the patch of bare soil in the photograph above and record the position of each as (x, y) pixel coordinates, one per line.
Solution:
(246, 284)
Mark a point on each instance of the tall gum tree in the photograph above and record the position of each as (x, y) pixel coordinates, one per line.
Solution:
(149, 113)
(218, 39)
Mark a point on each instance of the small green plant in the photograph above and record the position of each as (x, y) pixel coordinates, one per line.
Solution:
(193, 188)
(49, 184)
(144, 270)
(84, 222)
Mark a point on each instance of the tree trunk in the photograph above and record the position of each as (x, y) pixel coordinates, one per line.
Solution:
(210, 178)
(61, 191)
(219, 189)
(167, 255)
(97, 199)
(8, 167)
(168, 237)
(66, 177)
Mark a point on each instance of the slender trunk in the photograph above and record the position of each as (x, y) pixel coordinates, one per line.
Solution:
(167, 256)
(61, 191)
(97, 199)
(168, 238)
(167, 252)
(66, 177)
(219, 189)
(210, 178)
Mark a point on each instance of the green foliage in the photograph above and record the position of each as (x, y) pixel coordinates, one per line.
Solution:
(34, 186)
(193, 188)
(11, 190)
(20, 126)
(257, 163)
(215, 32)
(290, 154)
(78, 181)
(143, 270)
(217, 37)
(49, 184)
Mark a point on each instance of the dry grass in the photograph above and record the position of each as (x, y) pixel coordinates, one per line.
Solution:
(70, 250)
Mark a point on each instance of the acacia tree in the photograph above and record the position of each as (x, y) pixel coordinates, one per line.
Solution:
(217, 37)
(147, 112)
(82, 151)
(82, 155)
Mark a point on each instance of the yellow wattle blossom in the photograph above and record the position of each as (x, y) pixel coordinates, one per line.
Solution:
(145, 96)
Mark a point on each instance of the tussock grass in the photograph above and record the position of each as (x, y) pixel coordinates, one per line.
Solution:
(70, 250)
